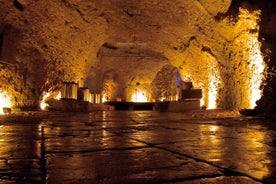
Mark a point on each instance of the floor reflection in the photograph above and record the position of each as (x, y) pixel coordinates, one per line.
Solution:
(211, 139)
(253, 156)
(245, 149)
(114, 146)
(20, 153)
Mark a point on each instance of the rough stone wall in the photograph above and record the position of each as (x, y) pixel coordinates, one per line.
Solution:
(165, 83)
(208, 41)
(240, 52)
(48, 42)
(217, 55)
(268, 38)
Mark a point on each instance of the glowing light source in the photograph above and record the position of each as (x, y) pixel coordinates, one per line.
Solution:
(213, 128)
(104, 97)
(253, 56)
(257, 67)
(43, 104)
(202, 104)
(58, 97)
(210, 89)
(5, 101)
(139, 96)
(248, 64)
(214, 81)
(161, 99)
(45, 96)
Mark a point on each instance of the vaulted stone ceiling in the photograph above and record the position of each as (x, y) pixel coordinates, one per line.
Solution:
(110, 45)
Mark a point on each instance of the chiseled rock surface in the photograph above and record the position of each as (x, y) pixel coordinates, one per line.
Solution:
(211, 42)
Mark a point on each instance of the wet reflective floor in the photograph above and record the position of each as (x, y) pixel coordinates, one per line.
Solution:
(135, 147)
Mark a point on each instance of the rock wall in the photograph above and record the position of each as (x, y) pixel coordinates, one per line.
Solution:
(216, 44)
(48, 42)
(165, 83)
(268, 38)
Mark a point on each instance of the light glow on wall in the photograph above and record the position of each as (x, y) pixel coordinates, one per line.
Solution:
(257, 67)
(202, 104)
(5, 101)
(161, 99)
(43, 104)
(209, 83)
(104, 97)
(58, 97)
(254, 58)
(214, 81)
(212, 94)
(139, 96)
(45, 96)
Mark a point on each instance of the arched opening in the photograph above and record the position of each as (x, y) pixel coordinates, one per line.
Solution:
(126, 70)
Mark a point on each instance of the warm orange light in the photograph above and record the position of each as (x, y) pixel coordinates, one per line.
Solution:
(5, 101)
(255, 60)
(139, 96)
(45, 96)
(213, 128)
(58, 97)
(43, 104)
(257, 67)
(161, 99)
(202, 100)
(214, 81)
(104, 97)
(211, 138)
(209, 84)
(255, 141)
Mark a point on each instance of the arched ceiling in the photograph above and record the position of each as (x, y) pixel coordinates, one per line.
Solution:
(62, 40)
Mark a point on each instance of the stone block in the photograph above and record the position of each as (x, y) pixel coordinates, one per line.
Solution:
(178, 106)
(191, 94)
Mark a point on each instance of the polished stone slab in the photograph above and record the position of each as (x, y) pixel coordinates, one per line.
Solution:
(136, 147)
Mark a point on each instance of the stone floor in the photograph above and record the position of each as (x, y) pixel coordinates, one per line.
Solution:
(135, 147)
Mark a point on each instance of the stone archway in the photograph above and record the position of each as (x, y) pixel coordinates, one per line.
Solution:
(121, 66)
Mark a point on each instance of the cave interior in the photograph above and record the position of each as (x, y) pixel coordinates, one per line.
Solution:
(139, 51)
